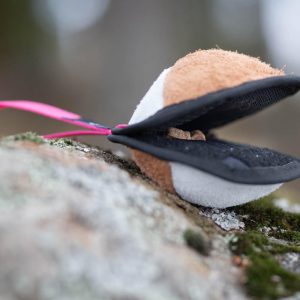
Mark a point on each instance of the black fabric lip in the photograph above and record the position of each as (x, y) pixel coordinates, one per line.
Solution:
(233, 162)
(219, 108)
(230, 167)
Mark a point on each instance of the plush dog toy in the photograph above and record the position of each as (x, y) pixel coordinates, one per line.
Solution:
(170, 132)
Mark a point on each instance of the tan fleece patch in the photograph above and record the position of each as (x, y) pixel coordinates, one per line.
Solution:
(206, 71)
(156, 169)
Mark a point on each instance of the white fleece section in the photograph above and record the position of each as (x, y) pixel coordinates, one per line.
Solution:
(152, 101)
(208, 190)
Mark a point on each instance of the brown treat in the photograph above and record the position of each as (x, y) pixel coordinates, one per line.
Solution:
(179, 134)
(206, 71)
(186, 135)
(156, 169)
(198, 135)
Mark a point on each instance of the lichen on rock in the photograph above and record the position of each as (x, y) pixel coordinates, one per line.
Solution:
(226, 219)
(77, 222)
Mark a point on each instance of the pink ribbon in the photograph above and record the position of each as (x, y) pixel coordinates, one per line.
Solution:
(59, 114)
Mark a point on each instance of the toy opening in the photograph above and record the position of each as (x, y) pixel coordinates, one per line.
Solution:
(182, 133)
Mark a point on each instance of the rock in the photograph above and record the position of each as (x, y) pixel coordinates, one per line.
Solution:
(227, 220)
(294, 297)
(290, 261)
(78, 222)
(287, 206)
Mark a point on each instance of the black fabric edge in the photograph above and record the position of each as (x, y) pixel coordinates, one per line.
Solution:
(209, 99)
(262, 176)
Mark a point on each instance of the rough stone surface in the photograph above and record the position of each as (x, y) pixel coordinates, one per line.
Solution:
(75, 225)
(295, 297)
(290, 261)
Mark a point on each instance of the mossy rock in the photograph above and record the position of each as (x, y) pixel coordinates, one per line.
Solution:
(266, 278)
(27, 136)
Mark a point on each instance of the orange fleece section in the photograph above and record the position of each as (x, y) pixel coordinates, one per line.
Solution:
(156, 169)
(206, 71)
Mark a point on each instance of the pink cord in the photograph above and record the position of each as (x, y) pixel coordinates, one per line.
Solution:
(59, 135)
(121, 125)
(61, 115)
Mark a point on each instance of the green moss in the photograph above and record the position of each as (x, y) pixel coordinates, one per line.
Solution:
(27, 136)
(248, 243)
(196, 241)
(289, 235)
(263, 213)
(62, 143)
(266, 278)
(68, 142)
(283, 248)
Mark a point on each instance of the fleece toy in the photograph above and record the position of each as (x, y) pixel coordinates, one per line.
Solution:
(170, 132)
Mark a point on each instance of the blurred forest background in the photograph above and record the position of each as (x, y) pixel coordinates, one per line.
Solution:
(99, 57)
